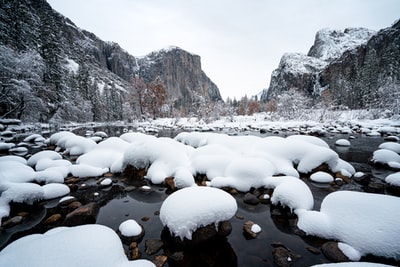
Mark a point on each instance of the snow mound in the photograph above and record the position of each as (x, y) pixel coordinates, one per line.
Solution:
(342, 142)
(80, 246)
(321, 177)
(130, 228)
(54, 190)
(290, 192)
(393, 179)
(190, 208)
(395, 147)
(385, 156)
(343, 217)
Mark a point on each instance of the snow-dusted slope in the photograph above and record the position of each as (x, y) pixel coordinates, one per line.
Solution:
(330, 44)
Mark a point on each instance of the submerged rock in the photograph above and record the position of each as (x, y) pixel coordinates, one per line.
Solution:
(86, 214)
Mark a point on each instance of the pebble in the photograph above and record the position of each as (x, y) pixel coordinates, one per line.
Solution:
(52, 219)
(12, 221)
(251, 199)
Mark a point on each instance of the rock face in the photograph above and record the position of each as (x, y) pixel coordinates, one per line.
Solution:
(54, 71)
(356, 68)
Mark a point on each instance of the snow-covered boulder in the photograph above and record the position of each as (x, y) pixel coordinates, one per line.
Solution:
(188, 209)
(342, 142)
(343, 216)
(80, 246)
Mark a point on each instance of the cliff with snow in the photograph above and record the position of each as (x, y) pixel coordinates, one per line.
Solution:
(51, 70)
(354, 68)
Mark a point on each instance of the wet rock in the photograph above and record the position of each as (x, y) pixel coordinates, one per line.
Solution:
(170, 183)
(145, 218)
(152, 246)
(251, 199)
(224, 228)
(374, 187)
(333, 253)
(239, 216)
(52, 219)
(393, 189)
(177, 256)
(134, 251)
(67, 201)
(345, 178)
(12, 221)
(86, 214)
(251, 229)
(133, 173)
(313, 250)
(72, 180)
(160, 260)
(283, 256)
(362, 178)
(74, 205)
(129, 188)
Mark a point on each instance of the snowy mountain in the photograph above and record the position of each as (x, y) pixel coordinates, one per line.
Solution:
(354, 68)
(51, 70)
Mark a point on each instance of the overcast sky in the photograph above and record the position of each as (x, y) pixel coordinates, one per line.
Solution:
(240, 41)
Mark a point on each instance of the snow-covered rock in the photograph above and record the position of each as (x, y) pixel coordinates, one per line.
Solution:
(342, 142)
(80, 246)
(343, 216)
(190, 208)
(321, 177)
(130, 228)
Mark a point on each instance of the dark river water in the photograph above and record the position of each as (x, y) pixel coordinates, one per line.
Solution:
(278, 228)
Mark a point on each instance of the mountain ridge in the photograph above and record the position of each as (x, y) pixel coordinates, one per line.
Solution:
(78, 76)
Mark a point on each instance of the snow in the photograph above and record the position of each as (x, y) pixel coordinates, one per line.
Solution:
(130, 228)
(255, 228)
(321, 177)
(343, 216)
(192, 207)
(342, 142)
(71, 66)
(290, 192)
(45, 154)
(385, 156)
(54, 190)
(85, 170)
(333, 43)
(106, 182)
(395, 147)
(80, 246)
(393, 179)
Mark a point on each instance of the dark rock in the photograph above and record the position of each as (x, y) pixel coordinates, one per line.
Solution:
(313, 250)
(52, 219)
(86, 214)
(364, 179)
(284, 257)
(251, 199)
(160, 260)
(247, 228)
(135, 252)
(67, 201)
(224, 228)
(333, 253)
(264, 198)
(170, 182)
(74, 205)
(239, 216)
(374, 187)
(177, 256)
(12, 221)
(145, 218)
(129, 188)
(152, 246)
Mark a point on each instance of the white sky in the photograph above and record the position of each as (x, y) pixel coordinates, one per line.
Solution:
(240, 41)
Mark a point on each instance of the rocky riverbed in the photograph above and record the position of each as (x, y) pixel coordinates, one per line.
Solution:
(260, 234)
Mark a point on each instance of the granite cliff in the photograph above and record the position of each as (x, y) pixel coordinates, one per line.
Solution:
(356, 68)
(51, 70)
